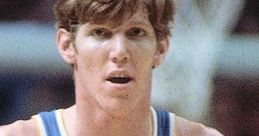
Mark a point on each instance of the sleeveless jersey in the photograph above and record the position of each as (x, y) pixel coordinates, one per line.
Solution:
(51, 123)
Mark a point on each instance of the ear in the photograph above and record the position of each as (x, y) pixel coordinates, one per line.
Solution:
(161, 51)
(65, 46)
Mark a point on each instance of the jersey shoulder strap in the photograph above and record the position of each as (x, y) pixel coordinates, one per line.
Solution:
(165, 123)
(49, 123)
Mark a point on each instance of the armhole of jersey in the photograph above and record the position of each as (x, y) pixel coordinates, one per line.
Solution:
(60, 122)
(172, 123)
(40, 125)
(154, 114)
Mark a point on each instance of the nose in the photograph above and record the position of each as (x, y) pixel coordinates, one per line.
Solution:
(119, 52)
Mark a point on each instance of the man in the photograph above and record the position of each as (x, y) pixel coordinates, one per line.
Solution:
(113, 47)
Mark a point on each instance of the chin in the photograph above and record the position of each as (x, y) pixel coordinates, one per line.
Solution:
(118, 107)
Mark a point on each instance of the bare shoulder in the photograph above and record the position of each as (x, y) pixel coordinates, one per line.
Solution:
(21, 127)
(184, 127)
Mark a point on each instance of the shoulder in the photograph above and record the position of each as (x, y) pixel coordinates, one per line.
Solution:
(185, 127)
(21, 127)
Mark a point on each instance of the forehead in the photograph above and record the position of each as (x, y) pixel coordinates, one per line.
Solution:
(139, 18)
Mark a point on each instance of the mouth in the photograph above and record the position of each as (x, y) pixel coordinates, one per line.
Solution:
(119, 80)
(119, 77)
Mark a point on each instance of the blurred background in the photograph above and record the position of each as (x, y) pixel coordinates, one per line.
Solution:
(210, 75)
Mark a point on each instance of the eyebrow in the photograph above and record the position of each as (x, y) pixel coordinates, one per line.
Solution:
(131, 23)
(143, 24)
(140, 23)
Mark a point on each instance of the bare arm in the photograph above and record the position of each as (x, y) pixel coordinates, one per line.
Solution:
(184, 127)
(21, 128)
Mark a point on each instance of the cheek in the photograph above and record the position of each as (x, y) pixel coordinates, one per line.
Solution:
(91, 55)
(146, 50)
(143, 56)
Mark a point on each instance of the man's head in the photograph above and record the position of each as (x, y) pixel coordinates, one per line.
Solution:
(113, 47)
(70, 13)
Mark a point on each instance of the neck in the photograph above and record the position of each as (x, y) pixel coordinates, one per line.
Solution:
(114, 117)
(137, 123)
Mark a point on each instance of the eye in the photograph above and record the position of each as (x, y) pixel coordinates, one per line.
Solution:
(101, 33)
(136, 32)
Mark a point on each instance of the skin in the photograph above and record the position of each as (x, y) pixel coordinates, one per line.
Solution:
(100, 51)
(103, 108)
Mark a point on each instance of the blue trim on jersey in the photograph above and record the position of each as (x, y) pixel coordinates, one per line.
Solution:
(52, 129)
(50, 123)
(163, 123)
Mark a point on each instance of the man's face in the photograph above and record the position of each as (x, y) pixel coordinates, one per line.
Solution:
(113, 65)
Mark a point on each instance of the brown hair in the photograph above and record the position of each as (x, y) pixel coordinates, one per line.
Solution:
(70, 13)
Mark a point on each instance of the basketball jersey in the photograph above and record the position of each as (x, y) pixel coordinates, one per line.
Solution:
(51, 123)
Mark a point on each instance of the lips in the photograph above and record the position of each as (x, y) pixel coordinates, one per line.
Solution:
(119, 77)
(120, 80)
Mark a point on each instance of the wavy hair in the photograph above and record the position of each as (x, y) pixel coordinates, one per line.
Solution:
(70, 13)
